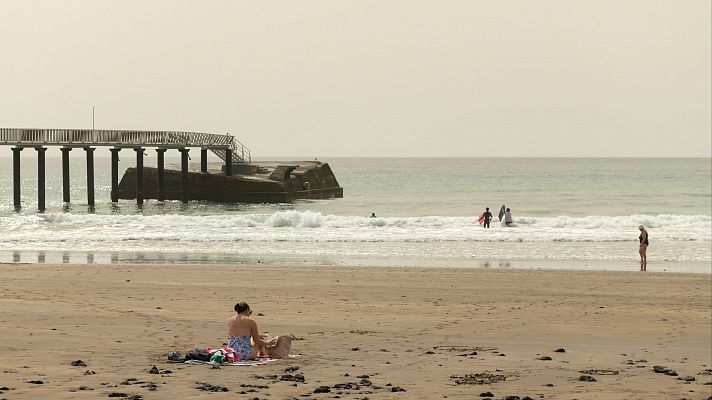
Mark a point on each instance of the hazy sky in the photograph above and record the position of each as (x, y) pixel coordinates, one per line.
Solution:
(371, 78)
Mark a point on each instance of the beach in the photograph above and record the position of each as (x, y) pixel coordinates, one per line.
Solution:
(362, 332)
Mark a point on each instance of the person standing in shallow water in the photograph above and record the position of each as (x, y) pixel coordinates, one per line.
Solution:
(488, 216)
(508, 217)
(643, 239)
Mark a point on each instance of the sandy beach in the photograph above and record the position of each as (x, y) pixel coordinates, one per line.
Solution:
(376, 333)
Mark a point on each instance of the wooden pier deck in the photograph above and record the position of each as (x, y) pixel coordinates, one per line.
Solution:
(226, 147)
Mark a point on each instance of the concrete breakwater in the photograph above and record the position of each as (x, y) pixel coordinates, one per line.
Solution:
(254, 183)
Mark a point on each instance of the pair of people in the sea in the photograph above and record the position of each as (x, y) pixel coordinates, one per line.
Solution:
(487, 215)
(243, 335)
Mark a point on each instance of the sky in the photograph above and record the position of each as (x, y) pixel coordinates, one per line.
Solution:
(539, 78)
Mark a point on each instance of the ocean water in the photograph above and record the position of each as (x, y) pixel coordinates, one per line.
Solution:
(568, 212)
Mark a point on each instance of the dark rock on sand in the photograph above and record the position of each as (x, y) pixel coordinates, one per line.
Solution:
(345, 386)
(599, 372)
(89, 372)
(366, 382)
(36, 382)
(84, 387)
(397, 389)
(484, 378)
(688, 378)
(154, 370)
(322, 389)
(511, 398)
(560, 350)
(659, 369)
(175, 356)
(206, 387)
(118, 394)
(291, 369)
(544, 358)
(586, 378)
(293, 378)
(486, 394)
(363, 376)
(135, 397)
(671, 373)
(247, 385)
(78, 363)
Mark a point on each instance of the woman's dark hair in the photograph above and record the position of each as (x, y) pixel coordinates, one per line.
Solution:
(241, 307)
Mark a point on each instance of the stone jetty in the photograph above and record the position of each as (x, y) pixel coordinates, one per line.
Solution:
(265, 182)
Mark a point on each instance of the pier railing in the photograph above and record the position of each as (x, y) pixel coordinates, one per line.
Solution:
(217, 143)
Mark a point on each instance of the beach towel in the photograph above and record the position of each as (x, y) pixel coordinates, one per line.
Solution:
(246, 363)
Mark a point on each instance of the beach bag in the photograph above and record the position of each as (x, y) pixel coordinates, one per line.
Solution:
(281, 346)
(198, 354)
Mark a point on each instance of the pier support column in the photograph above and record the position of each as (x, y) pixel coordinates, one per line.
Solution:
(203, 160)
(41, 178)
(139, 175)
(65, 174)
(115, 174)
(161, 175)
(184, 175)
(228, 162)
(90, 175)
(16, 183)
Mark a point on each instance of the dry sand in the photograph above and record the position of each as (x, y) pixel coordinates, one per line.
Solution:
(423, 330)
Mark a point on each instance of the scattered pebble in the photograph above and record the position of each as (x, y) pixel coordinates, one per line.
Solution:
(78, 363)
(560, 350)
(486, 394)
(599, 372)
(322, 389)
(484, 378)
(586, 378)
(206, 387)
(544, 358)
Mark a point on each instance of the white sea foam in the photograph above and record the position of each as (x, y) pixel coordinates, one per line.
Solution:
(307, 226)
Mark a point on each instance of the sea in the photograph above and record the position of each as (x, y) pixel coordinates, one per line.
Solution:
(569, 213)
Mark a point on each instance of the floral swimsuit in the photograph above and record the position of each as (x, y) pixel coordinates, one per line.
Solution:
(242, 346)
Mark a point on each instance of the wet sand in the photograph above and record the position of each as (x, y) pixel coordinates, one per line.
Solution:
(365, 332)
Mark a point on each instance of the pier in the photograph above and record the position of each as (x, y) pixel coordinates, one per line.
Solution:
(224, 146)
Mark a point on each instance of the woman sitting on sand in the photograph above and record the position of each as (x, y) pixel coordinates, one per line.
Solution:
(243, 336)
